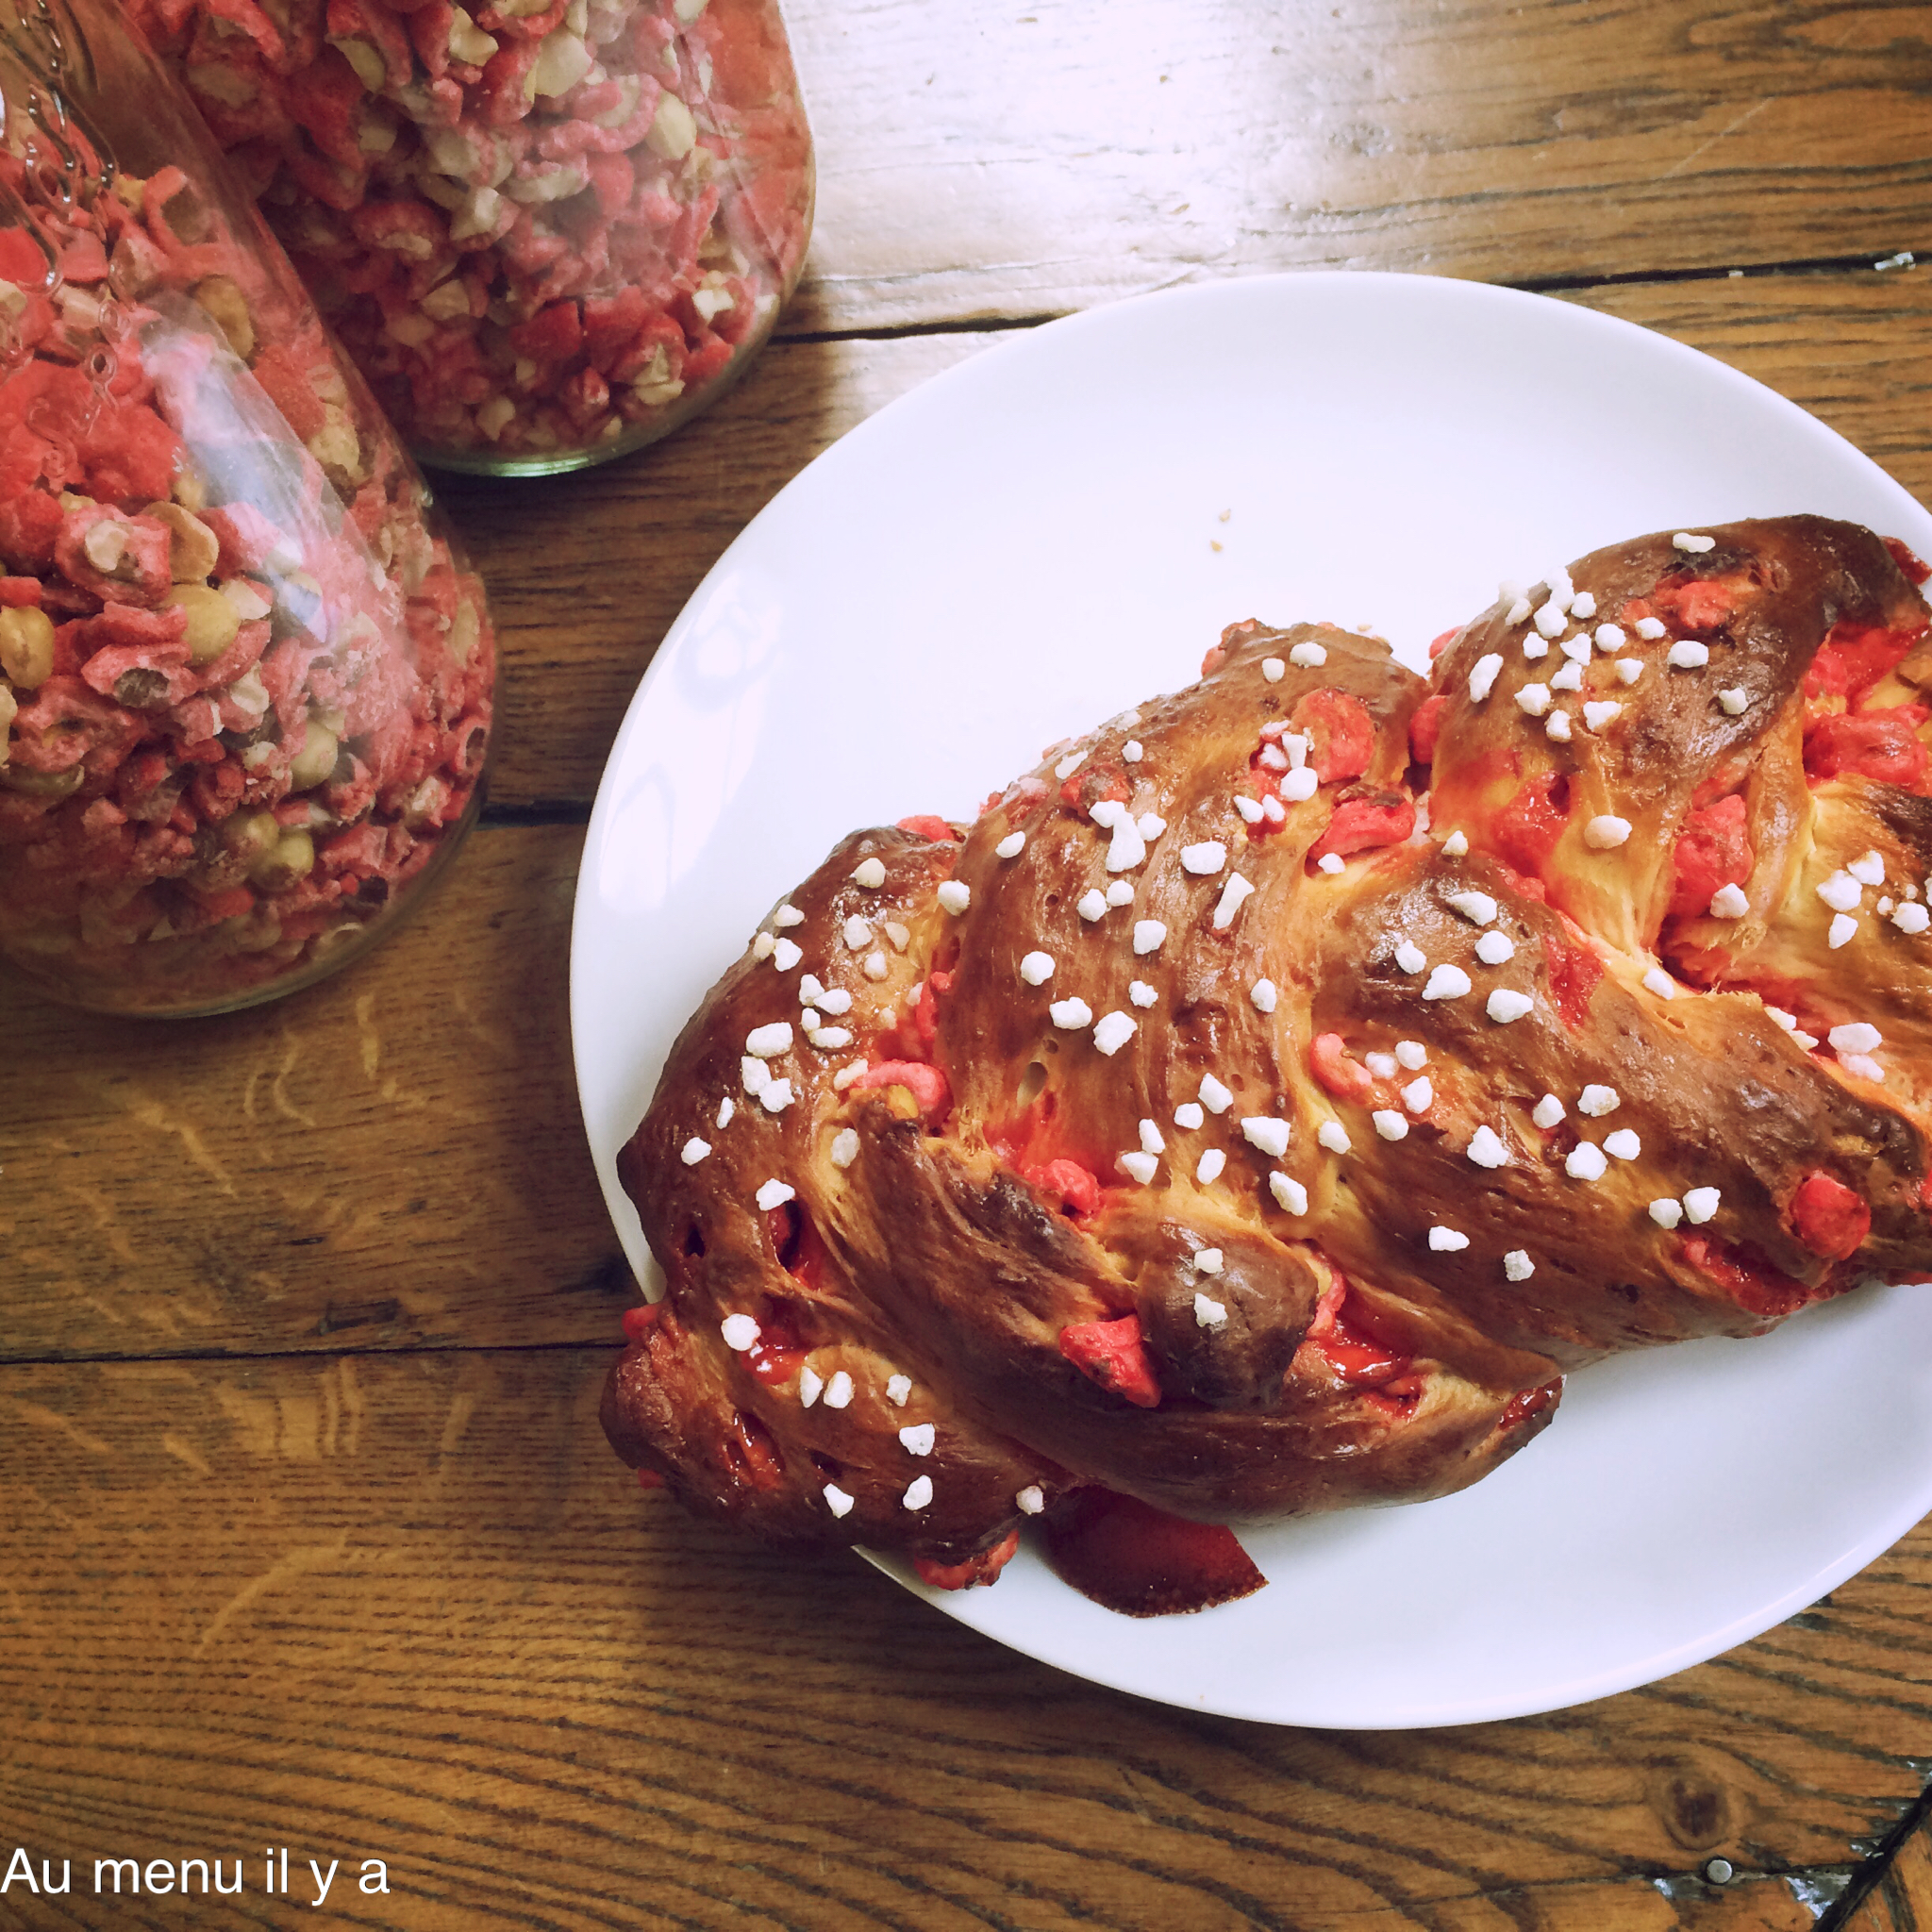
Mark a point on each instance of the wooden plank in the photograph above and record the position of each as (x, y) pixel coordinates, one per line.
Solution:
(1855, 350)
(1909, 1881)
(984, 161)
(587, 572)
(392, 1158)
(408, 1608)
(1622, 1905)
(1901, 1901)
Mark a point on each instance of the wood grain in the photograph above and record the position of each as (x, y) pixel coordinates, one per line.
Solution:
(992, 162)
(407, 1606)
(393, 1156)
(1901, 1898)
(1892, 1892)
(1854, 350)
(1759, 1905)
(586, 572)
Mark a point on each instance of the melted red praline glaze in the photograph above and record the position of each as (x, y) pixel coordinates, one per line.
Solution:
(1713, 850)
(1343, 1335)
(1130, 1557)
(1528, 828)
(1527, 1402)
(981, 1569)
(1747, 1278)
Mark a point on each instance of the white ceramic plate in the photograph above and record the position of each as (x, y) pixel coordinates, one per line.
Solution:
(1026, 546)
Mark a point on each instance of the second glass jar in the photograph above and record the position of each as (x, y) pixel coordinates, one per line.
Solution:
(549, 231)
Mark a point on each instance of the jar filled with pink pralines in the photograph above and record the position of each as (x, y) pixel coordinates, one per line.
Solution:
(245, 679)
(549, 231)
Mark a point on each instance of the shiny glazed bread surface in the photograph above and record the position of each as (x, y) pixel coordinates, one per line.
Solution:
(1370, 1108)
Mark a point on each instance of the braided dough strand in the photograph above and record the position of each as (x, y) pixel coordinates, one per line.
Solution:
(1230, 1120)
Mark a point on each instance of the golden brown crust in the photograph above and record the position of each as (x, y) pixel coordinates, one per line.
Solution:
(1206, 1117)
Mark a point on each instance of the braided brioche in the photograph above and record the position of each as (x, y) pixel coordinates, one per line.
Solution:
(1268, 1099)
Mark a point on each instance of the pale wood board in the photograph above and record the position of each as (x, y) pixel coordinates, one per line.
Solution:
(986, 162)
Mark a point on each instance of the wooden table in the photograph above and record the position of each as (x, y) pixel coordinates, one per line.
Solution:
(312, 1540)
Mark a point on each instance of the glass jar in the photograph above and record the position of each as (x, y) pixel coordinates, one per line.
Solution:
(549, 231)
(245, 678)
